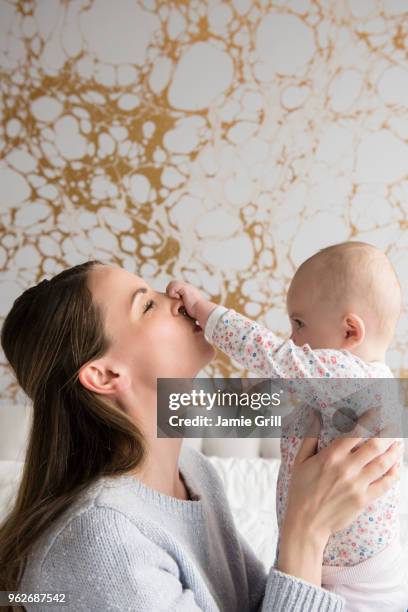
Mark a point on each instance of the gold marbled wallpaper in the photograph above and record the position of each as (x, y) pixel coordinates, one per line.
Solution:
(220, 142)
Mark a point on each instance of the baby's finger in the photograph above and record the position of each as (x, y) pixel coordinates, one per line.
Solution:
(173, 288)
(173, 293)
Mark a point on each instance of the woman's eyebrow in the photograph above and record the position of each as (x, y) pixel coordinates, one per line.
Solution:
(135, 294)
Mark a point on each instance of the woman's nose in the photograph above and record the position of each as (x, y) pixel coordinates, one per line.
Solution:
(175, 304)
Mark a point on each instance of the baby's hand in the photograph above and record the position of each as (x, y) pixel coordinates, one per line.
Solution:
(190, 295)
(196, 305)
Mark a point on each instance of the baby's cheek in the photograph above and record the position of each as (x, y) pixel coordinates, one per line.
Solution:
(298, 338)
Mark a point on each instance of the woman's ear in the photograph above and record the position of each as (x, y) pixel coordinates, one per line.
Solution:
(99, 378)
(353, 331)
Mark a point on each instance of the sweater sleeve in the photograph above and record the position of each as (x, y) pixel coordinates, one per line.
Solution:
(280, 592)
(285, 593)
(104, 562)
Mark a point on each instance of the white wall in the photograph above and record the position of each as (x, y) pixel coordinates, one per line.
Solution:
(220, 142)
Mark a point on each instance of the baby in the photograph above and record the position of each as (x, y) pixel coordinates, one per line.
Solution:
(343, 304)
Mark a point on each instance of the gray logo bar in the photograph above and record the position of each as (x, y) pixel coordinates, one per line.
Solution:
(274, 408)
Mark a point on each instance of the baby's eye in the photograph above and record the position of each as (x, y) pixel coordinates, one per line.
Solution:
(299, 323)
(149, 304)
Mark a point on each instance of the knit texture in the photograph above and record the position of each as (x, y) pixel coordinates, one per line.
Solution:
(124, 546)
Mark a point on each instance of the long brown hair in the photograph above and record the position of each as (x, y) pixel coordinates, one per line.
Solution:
(52, 330)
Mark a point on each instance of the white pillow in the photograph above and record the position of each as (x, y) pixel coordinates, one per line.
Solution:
(250, 485)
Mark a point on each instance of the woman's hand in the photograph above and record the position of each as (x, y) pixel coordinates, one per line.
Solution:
(327, 491)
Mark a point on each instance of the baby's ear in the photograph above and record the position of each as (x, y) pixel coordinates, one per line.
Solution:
(353, 330)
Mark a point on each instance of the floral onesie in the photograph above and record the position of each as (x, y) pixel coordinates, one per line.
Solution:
(262, 352)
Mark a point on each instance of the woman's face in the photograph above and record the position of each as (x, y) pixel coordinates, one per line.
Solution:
(150, 338)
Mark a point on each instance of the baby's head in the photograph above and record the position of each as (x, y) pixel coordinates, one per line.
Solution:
(346, 296)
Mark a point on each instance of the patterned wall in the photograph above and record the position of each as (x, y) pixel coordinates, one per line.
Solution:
(219, 142)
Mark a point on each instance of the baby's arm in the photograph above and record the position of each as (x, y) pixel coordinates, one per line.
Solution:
(255, 347)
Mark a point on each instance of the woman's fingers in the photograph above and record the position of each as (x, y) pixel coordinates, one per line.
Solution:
(372, 423)
(369, 447)
(342, 446)
(372, 447)
(308, 448)
(309, 444)
(382, 485)
(380, 466)
(375, 422)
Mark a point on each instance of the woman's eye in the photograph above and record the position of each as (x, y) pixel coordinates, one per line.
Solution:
(148, 305)
(298, 323)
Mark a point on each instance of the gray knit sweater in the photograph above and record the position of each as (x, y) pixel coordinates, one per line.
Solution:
(124, 546)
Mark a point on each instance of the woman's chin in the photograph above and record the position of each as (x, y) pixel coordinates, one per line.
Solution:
(207, 353)
(210, 352)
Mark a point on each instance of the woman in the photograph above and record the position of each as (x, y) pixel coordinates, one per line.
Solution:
(121, 520)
